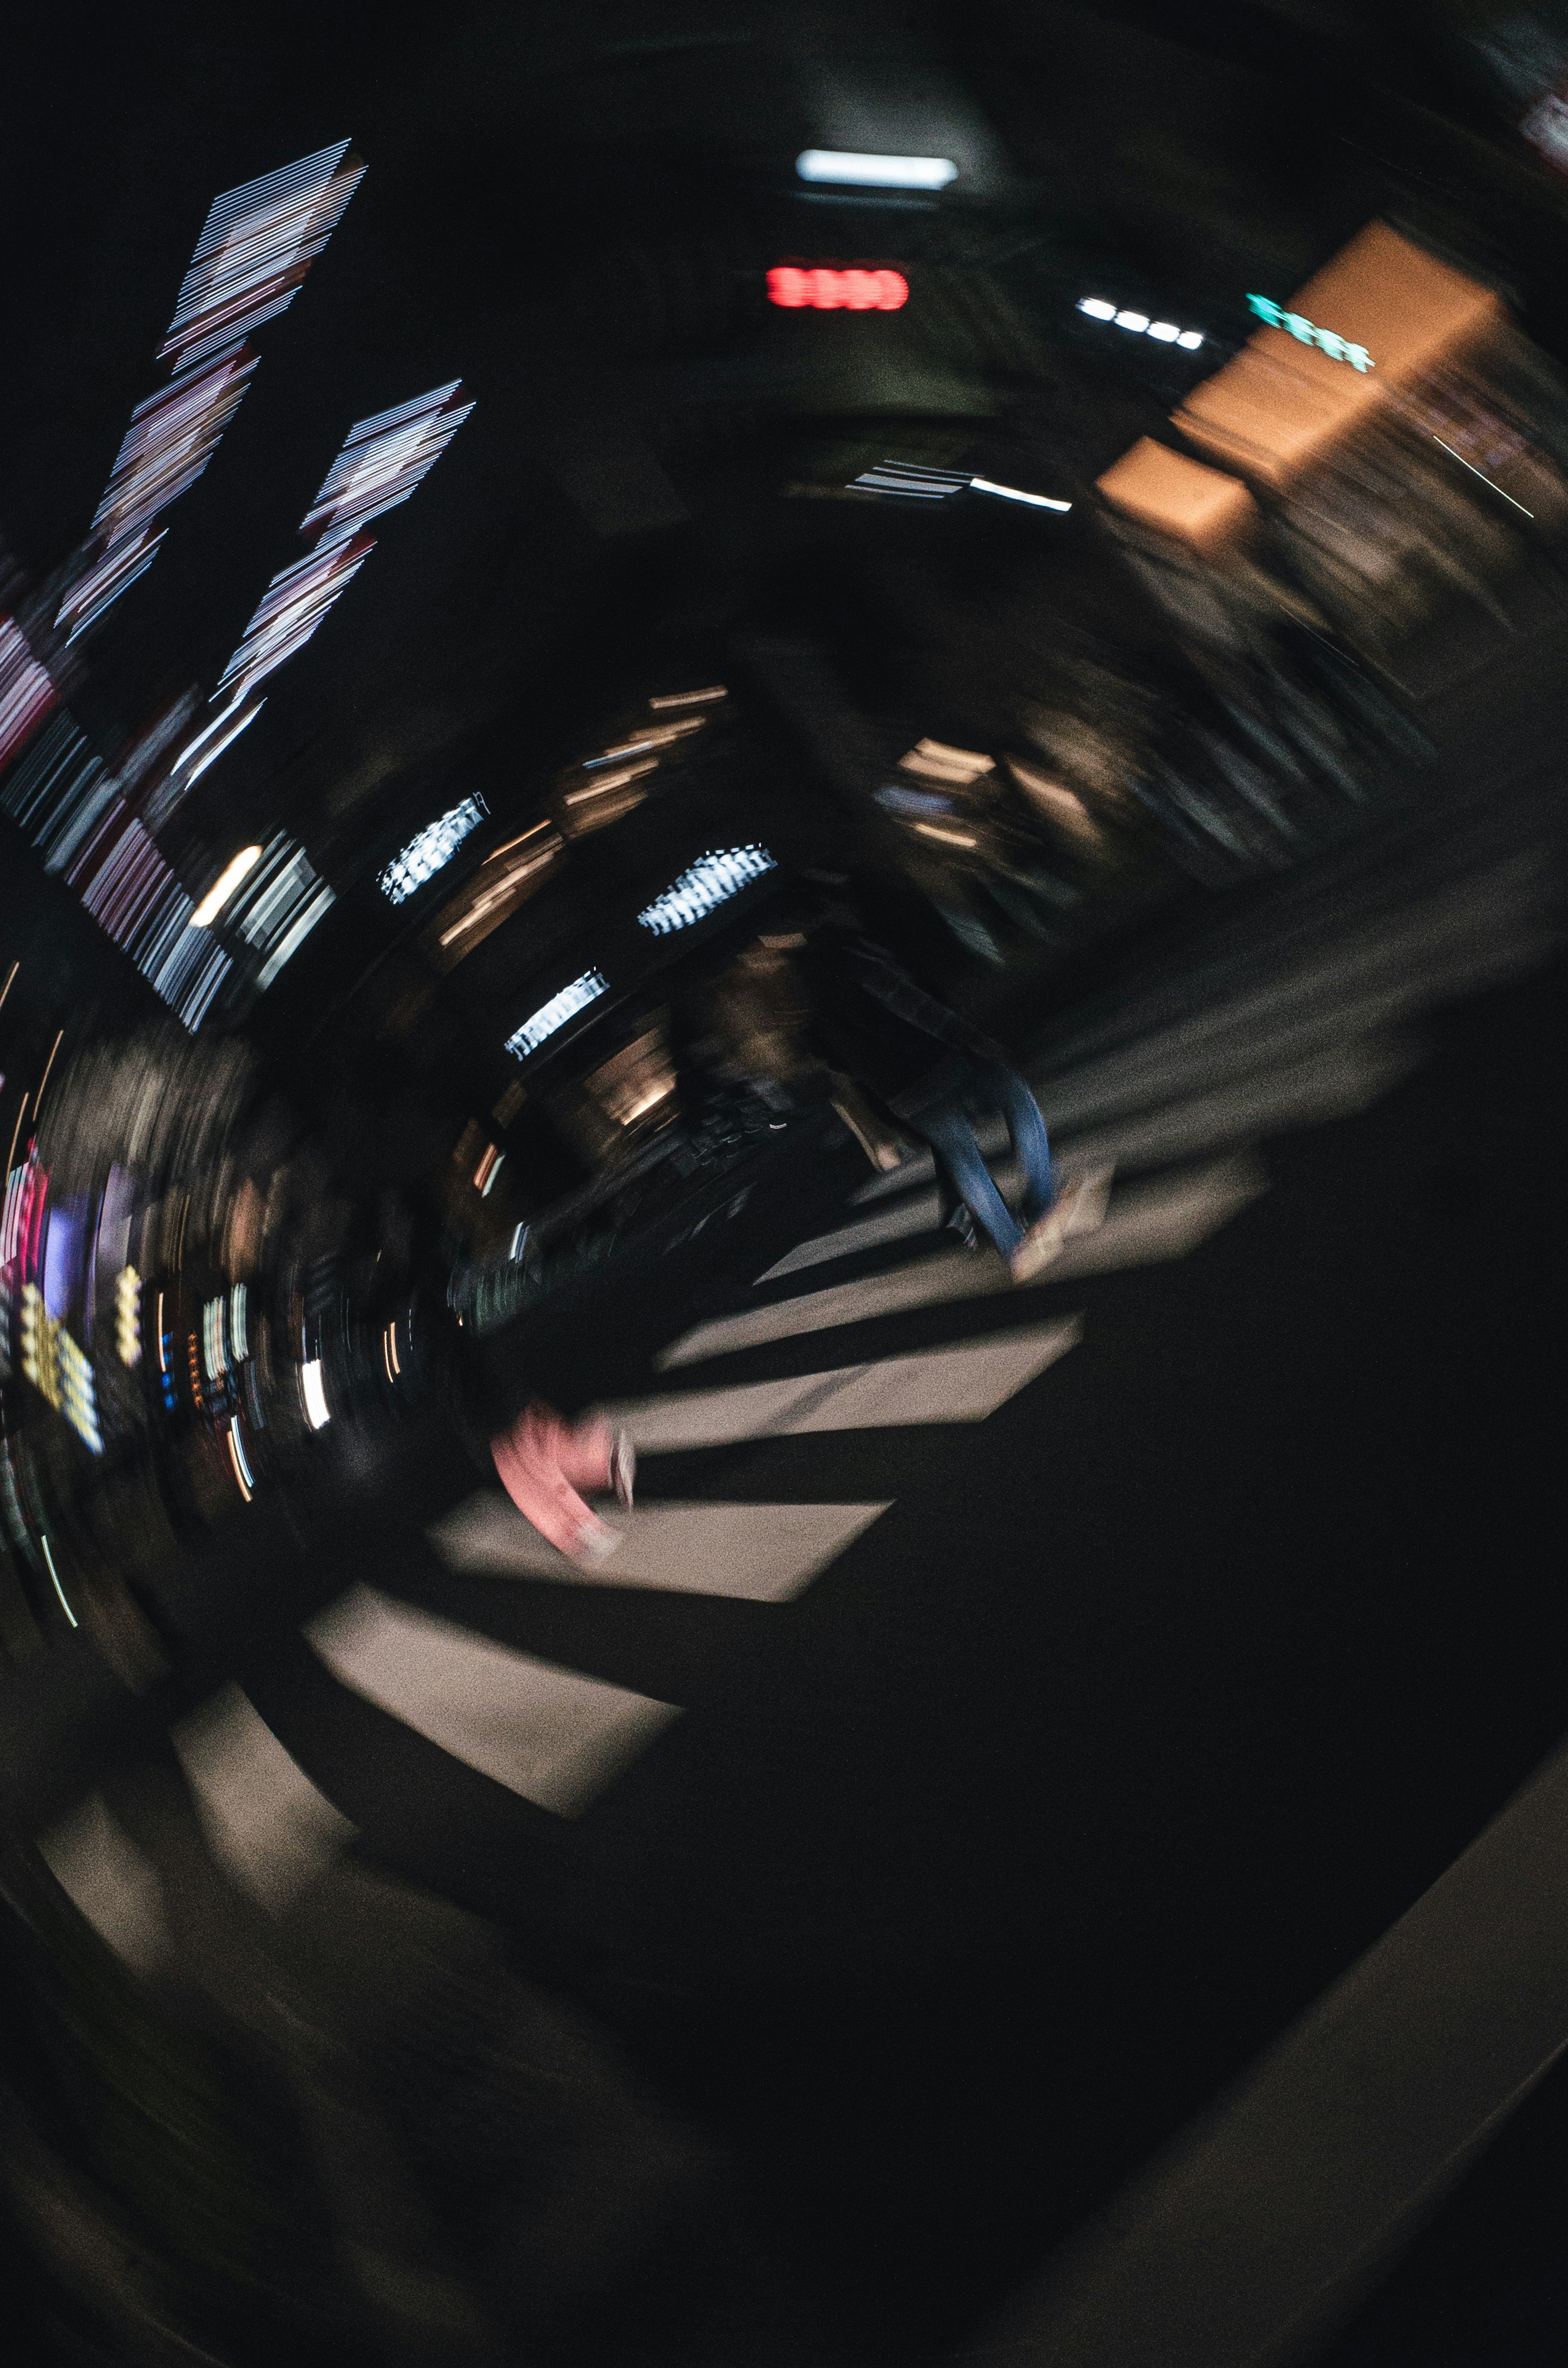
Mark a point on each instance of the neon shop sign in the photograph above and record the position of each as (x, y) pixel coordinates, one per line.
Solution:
(1337, 348)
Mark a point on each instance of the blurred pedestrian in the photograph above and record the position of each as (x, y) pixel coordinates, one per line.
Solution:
(545, 1462)
(933, 1068)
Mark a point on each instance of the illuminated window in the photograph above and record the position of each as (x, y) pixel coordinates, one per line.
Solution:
(430, 849)
(798, 286)
(712, 880)
(557, 1012)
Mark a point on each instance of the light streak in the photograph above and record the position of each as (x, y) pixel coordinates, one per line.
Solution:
(556, 1013)
(237, 1332)
(712, 881)
(317, 1413)
(38, 1097)
(10, 974)
(232, 734)
(223, 887)
(54, 1575)
(690, 698)
(913, 482)
(856, 171)
(1476, 473)
(243, 1472)
(1012, 493)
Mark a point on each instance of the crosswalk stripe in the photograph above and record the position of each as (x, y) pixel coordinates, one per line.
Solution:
(762, 1552)
(916, 1215)
(112, 1882)
(962, 1385)
(1087, 1129)
(1148, 1224)
(552, 1737)
(264, 1819)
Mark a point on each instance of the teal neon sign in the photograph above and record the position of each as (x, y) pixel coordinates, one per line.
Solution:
(1337, 348)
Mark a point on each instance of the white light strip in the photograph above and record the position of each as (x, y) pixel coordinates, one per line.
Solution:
(1011, 494)
(54, 1575)
(317, 1413)
(557, 1012)
(217, 749)
(1164, 333)
(429, 849)
(875, 172)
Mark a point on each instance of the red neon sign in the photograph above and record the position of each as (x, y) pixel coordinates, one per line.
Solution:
(795, 286)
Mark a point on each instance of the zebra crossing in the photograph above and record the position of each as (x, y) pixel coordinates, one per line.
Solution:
(557, 1737)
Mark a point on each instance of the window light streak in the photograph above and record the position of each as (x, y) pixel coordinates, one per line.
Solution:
(27, 689)
(658, 738)
(851, 170)
(383, 459)
(610, 782)
(712, 881)
(1012, 493)
(314, 1395)
(1164, 333)
(557, 1012)
(291, 607)
(223, 888)
(688, 698)
(429, 849)
(485, 904)
(257, 244)
(797, 287)
(1476, 473)
(939, 762)
(54, 1575)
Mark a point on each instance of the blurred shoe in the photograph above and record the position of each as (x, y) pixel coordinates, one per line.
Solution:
(1089, 1197)
(1079, 1208)
(622, 1466)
